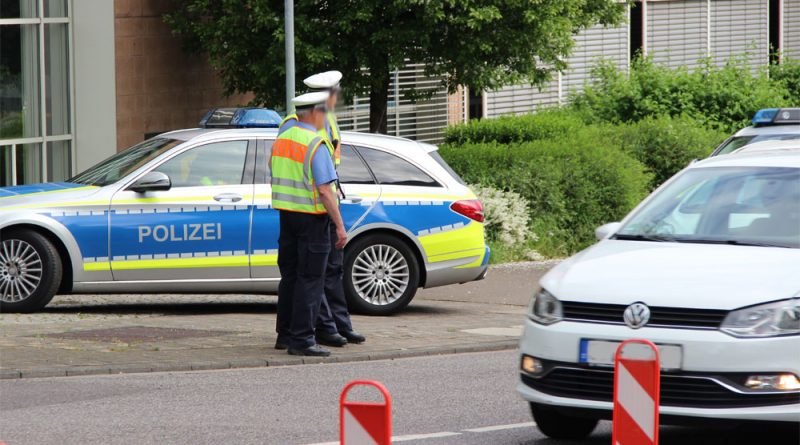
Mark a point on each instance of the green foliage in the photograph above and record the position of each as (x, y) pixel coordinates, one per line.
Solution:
(666, 144)
(545, 124)
(726, 96)
(788, 73)
(572, 184)
(514, 41)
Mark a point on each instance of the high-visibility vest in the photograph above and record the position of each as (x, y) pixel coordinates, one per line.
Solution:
(293, 186)
(334, 137)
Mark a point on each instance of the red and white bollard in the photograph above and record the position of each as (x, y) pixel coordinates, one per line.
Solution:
(365, 423)
(637, 375)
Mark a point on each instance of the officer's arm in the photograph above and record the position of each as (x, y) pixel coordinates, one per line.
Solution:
(331, 203)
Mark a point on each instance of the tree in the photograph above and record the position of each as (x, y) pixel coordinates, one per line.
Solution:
(484, 44)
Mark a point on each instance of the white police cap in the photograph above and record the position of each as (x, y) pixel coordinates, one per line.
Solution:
(324, 81)
(310, 100)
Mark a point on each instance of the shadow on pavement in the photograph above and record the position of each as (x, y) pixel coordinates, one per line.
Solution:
(754, 434)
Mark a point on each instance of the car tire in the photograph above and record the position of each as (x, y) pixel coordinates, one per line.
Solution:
(560, 426)
(30, 271)
(381, 274)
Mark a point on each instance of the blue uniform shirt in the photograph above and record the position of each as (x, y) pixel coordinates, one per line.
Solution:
(322, 163)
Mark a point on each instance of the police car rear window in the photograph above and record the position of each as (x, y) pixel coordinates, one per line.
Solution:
(392, 170)
(123, 163)
(440, 160)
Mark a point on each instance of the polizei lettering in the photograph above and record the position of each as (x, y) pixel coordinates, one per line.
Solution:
(181, 232)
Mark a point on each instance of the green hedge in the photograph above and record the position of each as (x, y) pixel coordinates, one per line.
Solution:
(666, 144)
(572, 185)
(725, 97)
(548, 123)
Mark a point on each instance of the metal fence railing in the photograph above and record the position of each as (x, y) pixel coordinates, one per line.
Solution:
(423, 119)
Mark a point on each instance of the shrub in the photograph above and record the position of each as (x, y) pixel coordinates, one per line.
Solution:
(544, 124)
(572, 184)
(788, 73)
(665, 145)
(506, 215)
(726, 96)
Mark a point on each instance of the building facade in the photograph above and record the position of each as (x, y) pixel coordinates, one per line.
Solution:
(82, 79)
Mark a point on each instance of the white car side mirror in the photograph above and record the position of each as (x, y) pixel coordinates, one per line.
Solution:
(605, 230)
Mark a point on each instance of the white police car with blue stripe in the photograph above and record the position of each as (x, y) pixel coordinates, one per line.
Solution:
(189, 211)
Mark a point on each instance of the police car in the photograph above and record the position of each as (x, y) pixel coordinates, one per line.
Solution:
(769, 124)
(707, 269)
(189, 211)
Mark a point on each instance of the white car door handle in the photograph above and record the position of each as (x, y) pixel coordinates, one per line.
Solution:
(352, 199)
(228, 197)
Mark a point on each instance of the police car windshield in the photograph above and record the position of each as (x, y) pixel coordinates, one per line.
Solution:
(738, 142)
(121, 164)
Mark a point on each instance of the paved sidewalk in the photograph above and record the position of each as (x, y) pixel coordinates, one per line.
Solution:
(102, 334)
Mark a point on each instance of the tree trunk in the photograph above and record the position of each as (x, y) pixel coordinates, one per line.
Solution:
(379, 97)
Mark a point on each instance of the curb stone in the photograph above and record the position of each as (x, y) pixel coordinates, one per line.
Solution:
(239, 364)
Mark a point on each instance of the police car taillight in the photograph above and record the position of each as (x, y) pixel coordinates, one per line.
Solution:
(240, 118)
(471, 208)
(776, 116)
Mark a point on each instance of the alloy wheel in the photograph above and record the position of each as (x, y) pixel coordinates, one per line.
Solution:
(380, 274)
(20, 270)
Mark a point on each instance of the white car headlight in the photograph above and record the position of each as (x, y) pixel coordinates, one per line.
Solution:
(765, 320)
(545, 308)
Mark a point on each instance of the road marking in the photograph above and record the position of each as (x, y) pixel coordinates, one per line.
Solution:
(424, 436)
(485, 429)
(511, 426)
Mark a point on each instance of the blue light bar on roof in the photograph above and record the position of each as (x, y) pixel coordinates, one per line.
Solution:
(764, 116)
(777, 116)
(240, 118)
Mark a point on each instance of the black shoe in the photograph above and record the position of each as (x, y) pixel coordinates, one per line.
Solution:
(353, 336)
(281, 346)
(313, 351)
(335, 340)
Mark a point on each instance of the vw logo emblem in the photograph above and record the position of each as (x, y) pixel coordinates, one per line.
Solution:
(636, 315)
(786, 115)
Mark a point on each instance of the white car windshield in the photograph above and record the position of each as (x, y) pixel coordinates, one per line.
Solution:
(121, 164)
(757, 206)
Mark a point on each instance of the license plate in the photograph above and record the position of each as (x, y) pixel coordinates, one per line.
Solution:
(601, 353)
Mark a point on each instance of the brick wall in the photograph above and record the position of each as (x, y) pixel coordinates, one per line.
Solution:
(159, 86)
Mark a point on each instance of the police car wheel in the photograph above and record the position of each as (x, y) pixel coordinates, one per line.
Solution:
(381, 275)
(557, 425)
(30, 271)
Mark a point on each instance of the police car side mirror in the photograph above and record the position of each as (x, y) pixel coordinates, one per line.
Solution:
(151, 182)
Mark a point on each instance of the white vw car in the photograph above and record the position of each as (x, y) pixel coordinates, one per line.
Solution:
(708, 268)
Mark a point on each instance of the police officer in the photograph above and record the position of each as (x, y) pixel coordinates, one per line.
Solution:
(334, 327)
(304, 191)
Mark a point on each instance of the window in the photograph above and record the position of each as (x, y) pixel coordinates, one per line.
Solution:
(352, 170)
(738, 142)
(440, 160)
(392, 170)
(35, 92)
(724, 205)
(220, 163)
(125, 162)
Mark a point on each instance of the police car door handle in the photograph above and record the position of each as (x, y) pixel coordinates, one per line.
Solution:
(228, 197)
(352, 199)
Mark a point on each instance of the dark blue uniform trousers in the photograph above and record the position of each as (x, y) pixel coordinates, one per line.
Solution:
(333, 315)
(303, 247)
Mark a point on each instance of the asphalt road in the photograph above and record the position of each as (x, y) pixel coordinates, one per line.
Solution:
(456, 399)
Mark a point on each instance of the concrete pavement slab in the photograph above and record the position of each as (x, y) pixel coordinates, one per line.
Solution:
(101, 334)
